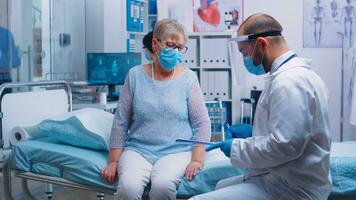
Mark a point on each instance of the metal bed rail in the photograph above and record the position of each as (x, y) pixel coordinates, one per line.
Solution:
(59, 181)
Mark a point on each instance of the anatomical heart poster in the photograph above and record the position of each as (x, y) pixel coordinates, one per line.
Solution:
(217, 15)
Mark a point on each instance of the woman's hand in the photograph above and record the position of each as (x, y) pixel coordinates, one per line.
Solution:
(109, 173)
(192, 169)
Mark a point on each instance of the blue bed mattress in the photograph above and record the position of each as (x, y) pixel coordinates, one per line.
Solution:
(83, 166)
(343, 169)
(74, 164)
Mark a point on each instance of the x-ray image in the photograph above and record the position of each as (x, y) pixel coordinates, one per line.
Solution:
(325, 21)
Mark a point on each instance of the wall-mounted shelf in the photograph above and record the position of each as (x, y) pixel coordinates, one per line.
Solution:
(212, 67)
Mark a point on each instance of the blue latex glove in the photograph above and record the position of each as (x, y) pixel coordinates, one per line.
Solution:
(238, 131)
(241, 130)
(225, 146)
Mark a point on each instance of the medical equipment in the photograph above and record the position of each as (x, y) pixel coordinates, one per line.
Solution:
(110, 69)
(225, 146)
(193, 142)
(346, 71)
(341, 35)
(216, 113)
(254, 97)
(246, 119)
(67, 76)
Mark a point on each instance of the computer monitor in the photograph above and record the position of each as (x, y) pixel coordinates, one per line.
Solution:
(110, 69)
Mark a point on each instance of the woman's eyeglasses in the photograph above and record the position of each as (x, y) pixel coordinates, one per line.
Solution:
(172, 46)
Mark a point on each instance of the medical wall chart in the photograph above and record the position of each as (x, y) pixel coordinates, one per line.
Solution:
(135, 15)
(326, 21)
(217, 15)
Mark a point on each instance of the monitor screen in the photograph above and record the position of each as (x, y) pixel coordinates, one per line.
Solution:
(110, 68)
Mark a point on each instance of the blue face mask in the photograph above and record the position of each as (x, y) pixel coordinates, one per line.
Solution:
(169, 59)
(147, 56)
(252, 68)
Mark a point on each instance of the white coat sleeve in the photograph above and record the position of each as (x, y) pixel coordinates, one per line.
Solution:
(290, 122)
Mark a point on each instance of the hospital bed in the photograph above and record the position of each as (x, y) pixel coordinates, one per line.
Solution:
(46, 161)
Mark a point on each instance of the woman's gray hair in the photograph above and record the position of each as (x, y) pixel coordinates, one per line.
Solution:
(169, 28)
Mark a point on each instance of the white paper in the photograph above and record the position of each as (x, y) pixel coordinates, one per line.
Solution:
(20, 134)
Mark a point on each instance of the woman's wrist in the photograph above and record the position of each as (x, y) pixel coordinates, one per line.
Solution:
(114, 155)
(113, 161)
(198, 161)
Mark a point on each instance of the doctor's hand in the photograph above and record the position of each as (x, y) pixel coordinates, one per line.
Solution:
(225, 146)
(109, 173)
(192, 169)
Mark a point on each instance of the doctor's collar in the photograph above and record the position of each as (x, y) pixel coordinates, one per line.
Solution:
(250, 37)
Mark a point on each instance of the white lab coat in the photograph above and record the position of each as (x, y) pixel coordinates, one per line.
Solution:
(288, 155)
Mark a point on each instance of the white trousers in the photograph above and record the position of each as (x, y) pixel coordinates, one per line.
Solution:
(235, 188)
(265, 187)
(135, 172)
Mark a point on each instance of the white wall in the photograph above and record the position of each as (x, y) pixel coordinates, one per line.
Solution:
(114, 26)
(94, 26)
(326, 62)
(69, 17)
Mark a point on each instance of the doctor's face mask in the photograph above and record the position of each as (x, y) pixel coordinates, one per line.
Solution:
(249, 63)
(244, 43)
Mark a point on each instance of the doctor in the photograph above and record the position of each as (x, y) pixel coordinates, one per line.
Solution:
(288, 155)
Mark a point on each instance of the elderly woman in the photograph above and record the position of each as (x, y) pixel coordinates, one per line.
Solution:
(159, 103)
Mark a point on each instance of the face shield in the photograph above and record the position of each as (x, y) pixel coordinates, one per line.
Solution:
(252, 37)
(233, 48)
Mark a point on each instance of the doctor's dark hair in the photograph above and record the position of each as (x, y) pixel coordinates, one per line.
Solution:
(147, 41)
(260, 23)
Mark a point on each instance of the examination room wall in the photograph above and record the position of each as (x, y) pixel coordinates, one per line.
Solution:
(102, 30)
(326, 61)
